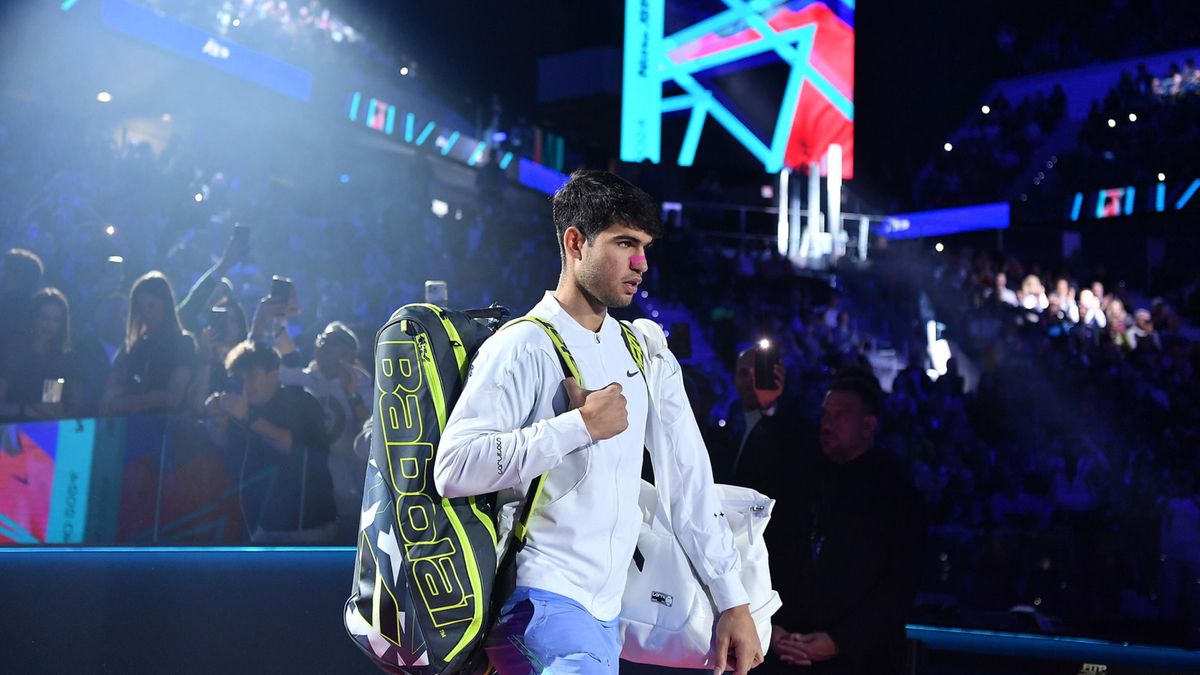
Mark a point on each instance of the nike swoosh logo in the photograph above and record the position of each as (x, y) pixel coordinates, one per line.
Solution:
(24, 480)
(631, 373)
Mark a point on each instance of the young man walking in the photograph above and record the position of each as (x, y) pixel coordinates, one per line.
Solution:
(517, 418)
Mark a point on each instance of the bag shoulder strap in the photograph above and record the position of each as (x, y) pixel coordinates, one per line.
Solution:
(570, 369)
(635, 349)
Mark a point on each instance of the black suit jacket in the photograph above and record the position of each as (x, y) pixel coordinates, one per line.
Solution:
(846, 546)
(771, 455)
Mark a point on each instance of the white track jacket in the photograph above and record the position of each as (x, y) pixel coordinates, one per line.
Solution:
(512, 423)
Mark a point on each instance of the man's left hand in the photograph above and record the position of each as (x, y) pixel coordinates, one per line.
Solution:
(818, 646)
(737, 641)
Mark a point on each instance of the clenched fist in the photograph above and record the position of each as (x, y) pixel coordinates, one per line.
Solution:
(603, 410)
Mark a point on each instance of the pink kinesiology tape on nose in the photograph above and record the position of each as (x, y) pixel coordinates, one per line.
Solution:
(637, 260)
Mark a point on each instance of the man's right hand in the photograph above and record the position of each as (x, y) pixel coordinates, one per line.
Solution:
(269, 309)
(603, 410)
(767, 397)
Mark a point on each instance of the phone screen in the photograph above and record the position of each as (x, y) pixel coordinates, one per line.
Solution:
(281, 287)
(766, 355)
(436, 293)
(218, 320)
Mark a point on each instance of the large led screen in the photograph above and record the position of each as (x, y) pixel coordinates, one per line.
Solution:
(694, 58)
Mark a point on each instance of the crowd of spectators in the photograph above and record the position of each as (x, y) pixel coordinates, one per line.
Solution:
(1057, 454)
(306, 33)
(990, 151)
(1038, 39)
(125, 288)
(1144, 130)
(1049, 480)
(1146, 126)
(1044, 478)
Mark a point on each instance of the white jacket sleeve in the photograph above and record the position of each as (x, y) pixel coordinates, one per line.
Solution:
(695, 507)
(493, 438)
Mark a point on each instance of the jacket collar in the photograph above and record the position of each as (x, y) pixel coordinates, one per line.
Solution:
(549, 308)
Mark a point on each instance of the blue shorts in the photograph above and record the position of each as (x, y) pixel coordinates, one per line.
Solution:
(542, 632)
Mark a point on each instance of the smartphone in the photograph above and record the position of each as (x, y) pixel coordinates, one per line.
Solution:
(436, 292)
(281, 288)
(766, 355)
(218, 320)
(52, 390)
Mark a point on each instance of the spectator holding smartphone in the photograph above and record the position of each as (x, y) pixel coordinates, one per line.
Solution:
(757, 441)
(41, 376)
(279, 430)
(344, 390)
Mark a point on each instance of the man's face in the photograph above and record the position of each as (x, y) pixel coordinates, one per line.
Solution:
(846, 430)
(752, 397)
(260, 385)
(332, 356)
(613, 265)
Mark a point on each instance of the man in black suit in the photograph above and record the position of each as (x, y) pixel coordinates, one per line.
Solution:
(756, 447)
(845, 545)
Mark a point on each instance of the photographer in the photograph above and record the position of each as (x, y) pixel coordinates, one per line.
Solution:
(755, 447)
(279, 429)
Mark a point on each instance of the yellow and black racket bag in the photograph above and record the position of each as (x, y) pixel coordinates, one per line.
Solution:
(425, 568)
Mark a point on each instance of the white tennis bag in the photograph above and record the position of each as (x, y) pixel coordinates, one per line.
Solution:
(667, 616)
